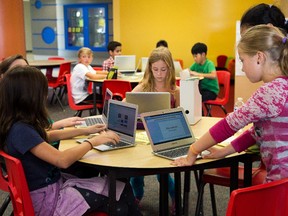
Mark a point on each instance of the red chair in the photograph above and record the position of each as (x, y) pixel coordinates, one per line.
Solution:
(59, 82)
(98, 68)
(56, 58)
(270, 199)
(117, 87)
(221, 177)
(14, 182)
(223, 96)
(73, 106)
(221, 61)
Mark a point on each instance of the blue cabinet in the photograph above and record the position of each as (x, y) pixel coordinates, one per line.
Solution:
(86, 25)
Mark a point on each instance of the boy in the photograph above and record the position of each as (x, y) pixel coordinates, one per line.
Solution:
(204, 67)
(79, 74)
(114, 48)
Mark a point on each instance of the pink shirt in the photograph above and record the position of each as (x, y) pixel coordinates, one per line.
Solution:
(267, 109)
(108, 63)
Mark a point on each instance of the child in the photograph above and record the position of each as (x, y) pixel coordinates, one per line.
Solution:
(114, 48)
(23, 134)
(79, 74)
(19, 60)
(162, 43)
(263, 51)
(203, 67)
(158, 77)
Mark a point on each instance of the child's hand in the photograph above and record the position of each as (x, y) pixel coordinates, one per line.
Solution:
(184, 161)
(218, 152)
(95, 128)
(194, 73)
(68, 122)
(105, 137)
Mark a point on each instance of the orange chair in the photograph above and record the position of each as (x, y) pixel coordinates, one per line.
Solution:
(73, 106)
(14, 182)
(221, 177)
(117, 87)
(181, 62)
(269, 199)
(221, 100)
(59, 82)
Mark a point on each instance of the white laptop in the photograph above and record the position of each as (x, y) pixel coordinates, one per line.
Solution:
(178, 68)
(144, 61)
(149, 101)
(125, 63)
(121, 119)
(169, 132)
(99, 119)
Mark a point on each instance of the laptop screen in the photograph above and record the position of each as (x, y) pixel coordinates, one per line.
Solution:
(125, 63)
(167, 127)
(108, 96)
(122, 118)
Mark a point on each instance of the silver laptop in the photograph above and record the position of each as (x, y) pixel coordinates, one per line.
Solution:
(144, 61)
(121, 119)
(169, 132)
(178, 68)
(149, 101)
(99, 119)
(125, 63)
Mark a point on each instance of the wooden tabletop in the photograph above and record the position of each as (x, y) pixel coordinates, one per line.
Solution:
(133, 78)
(48, 63)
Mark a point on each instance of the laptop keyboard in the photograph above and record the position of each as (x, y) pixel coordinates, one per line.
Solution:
(93, 121)
(119, 144)
(173, 153)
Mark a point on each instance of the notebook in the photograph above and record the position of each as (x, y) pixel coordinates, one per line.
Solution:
(121, 119)
(169, 132)
(125, 63)
(149, 101)
(99, 119)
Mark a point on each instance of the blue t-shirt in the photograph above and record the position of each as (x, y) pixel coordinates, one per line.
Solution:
(21, 138)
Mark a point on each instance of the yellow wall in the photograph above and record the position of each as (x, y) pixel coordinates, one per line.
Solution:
(140, 24)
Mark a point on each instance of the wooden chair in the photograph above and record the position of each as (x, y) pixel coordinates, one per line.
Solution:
(117, 87)
(269, 199)
(221, 100)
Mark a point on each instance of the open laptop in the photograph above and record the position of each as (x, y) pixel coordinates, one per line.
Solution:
(125, 63)
(178, 68)
(121, 119)
(99, 119)
(149, 101)
(144, 61)
(169, 132)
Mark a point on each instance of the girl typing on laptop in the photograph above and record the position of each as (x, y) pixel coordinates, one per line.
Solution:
(159, 76)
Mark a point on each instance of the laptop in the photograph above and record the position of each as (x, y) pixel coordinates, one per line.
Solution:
(125, 63)
(144, 61)
(169, 132)
(121, 119)
(178, 68)
(99, 119)
(149, 101)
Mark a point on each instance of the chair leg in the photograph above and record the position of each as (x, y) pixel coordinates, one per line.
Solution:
(208, 108)
(224, 110)
(199, 206)
(78, 113)
(213, 200)
(4, 205)
(58, 99)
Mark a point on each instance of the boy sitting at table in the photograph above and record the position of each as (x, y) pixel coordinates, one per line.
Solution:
(80, 73)
(114, 48)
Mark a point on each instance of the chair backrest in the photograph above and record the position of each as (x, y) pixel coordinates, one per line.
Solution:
(265, 199)
(221, 61)
(65, 68)
(117, 87)
(224, 82)
(14, 182)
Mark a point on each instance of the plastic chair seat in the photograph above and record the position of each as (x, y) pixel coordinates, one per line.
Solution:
(117, 87)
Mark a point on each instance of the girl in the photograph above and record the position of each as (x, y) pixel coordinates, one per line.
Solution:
(263, 50)
(23, 134)
(159, 76)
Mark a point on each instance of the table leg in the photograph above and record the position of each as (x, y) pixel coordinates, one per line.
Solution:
(248, 171)
(112, 193)
(233, 176)
(187, 176)
(163, 197)
(177, 177)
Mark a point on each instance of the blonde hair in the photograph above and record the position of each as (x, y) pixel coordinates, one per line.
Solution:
(84, 50)
(160, 53)
(268, 39)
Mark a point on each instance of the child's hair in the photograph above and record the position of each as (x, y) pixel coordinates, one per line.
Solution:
(160, 53)
(7, 62)
(264, 14)
(162, 43)
(23, 97)
(85, 51)
(199, 48)
(112, 45)
(268, 39)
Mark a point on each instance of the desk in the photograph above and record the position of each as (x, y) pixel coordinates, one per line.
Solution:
(48, 63)
(138, 161)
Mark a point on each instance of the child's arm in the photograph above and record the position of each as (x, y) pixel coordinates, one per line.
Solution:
(67, 122)
(55, 135)
(96, 76)
(212, 75)
(63, 159)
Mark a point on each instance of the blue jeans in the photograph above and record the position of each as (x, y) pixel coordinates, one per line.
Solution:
(137, 184)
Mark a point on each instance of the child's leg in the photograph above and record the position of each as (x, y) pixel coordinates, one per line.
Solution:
(171, 186)
(137, 184)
